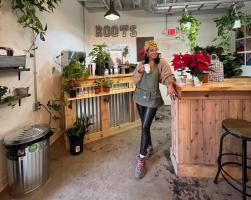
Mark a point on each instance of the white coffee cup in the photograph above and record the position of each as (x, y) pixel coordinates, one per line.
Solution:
(147, 68)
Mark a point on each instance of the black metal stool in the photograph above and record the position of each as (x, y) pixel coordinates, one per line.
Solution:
(240, 129)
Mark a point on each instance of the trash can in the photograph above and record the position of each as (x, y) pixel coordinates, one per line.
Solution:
(27, 158)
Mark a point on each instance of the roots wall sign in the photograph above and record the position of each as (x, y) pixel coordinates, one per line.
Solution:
(115, 31)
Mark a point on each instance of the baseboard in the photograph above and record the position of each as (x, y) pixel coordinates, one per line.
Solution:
(206, 171)
(3, 183)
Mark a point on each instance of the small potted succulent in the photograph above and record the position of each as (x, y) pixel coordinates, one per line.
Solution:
(97, 86)
(3, 91)
(107, 84)
(77, 133)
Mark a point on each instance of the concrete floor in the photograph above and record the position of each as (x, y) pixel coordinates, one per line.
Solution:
(104, 171)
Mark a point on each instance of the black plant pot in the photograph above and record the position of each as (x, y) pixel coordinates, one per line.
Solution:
(73, 92)
(76, 145)
(99, 71)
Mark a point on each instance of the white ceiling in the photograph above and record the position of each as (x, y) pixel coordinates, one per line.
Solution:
(171, 7)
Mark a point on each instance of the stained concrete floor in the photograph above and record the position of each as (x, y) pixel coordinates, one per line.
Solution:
(104, 171)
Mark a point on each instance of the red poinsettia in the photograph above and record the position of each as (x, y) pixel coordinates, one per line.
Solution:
(197, 62)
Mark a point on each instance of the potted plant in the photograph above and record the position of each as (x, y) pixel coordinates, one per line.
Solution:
(231, 64)
(107, 84)
(225, 26)
(76, 134)
(72, 72)
(3, 91)
(100, 57)
(189, 27)
(97, 86)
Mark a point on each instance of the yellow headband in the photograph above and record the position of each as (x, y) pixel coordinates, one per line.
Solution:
(150, 44)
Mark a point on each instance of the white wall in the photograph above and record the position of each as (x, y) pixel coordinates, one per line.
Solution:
(148, 26)
(65, 31)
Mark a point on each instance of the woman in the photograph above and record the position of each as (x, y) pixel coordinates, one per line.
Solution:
(148, 98)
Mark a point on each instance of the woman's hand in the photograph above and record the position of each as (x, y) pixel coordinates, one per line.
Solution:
(140, 68)
(171, 91)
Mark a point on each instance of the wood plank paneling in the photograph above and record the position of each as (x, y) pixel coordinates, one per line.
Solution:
(184, 122)
(196, 136)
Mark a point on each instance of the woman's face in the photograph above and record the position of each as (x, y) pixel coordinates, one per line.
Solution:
(153, 52)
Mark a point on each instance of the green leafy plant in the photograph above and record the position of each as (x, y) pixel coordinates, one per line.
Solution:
(100, 57)
(80, 128)
(3, 91)
(55, 107)
(75, 70)
(225, 27)
(107, 82)
(232, 65)
(97, 84)
(190, 33)
(27, 15)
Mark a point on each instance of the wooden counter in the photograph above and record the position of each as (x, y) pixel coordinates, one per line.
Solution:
(196, 124)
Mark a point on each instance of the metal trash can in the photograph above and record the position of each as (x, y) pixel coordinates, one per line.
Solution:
(27, 158)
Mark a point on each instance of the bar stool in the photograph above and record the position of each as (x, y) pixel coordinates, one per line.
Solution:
(240, 129)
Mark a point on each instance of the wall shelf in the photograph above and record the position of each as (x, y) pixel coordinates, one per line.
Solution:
(18, 70)
(14, 98)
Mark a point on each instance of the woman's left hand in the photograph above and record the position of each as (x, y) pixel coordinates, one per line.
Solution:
(171, 91)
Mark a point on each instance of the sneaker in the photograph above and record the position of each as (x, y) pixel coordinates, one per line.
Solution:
(140, 168)
(149, 152)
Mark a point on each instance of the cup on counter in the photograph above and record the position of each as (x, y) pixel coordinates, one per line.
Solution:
(147, 68)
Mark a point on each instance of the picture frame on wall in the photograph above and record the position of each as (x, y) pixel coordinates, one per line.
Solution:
(140, 42)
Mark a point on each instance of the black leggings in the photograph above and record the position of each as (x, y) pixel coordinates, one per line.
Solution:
(146, 115)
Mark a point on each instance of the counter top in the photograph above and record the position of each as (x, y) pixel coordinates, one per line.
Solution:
(109, 76)
(232, 84)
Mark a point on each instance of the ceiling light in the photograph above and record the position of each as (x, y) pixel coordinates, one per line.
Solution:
(112, 14)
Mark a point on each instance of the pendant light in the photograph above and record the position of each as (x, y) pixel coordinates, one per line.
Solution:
(237, 22)
(112, 14)
(188, 24)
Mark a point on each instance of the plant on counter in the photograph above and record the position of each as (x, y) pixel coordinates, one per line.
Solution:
(97, 86)
(76, 134)
(197, 62)
(189, 27)
(3, 91)
(27, 12)
(74, 71)
(225, 27)
(107, 84)
(100, 57)
(231, 64)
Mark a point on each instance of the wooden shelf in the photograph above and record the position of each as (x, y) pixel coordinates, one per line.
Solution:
(9, 69)
(90, 95)
(14, 98)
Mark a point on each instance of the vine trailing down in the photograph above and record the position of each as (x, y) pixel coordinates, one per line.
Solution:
(189, 27)
(27, 10)
(225, 27)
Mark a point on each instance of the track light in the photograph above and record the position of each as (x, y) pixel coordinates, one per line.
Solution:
(112, 14)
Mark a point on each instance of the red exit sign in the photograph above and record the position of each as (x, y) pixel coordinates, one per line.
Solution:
(171, 31)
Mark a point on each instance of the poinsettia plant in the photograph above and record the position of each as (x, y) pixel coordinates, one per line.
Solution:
(197, 62)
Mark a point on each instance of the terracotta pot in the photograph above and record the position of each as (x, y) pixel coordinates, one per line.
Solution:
(97, 90)
(205, 78)
(106, 89)
(72, 83)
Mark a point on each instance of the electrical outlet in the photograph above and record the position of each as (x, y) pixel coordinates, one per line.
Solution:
(36, 106)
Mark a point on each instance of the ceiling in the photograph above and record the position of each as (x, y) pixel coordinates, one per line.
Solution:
(171, 7)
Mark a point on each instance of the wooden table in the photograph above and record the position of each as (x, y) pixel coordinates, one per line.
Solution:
(196, 124)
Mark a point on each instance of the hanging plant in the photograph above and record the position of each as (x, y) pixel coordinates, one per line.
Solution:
(225, 27)
(27, 15)
(189, 27)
